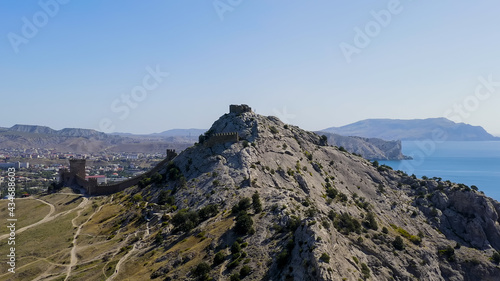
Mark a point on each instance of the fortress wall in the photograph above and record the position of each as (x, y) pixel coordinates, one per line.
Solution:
(117, 187)
(74, 176)
(222, 138)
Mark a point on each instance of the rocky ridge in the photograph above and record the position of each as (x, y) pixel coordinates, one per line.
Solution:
(326, 214)
(369, 148)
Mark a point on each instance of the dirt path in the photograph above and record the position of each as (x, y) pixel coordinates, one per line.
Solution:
(47, 218)
(74, 258)
(122, 260)
(134, 248)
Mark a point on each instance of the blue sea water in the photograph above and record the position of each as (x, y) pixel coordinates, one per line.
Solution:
(471, 163)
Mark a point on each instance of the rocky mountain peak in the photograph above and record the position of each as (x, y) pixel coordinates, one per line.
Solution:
(325, 214)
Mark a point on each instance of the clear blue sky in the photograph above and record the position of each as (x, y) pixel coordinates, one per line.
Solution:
(68, 65)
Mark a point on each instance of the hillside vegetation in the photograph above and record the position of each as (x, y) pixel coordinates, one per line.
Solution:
(280, 204)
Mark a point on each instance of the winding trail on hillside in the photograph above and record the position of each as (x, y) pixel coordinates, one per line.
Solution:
(74, 257)
(47, 218)
(124, 258)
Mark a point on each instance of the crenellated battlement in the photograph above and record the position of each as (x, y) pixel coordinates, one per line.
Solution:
(171, 154)
(222, 138)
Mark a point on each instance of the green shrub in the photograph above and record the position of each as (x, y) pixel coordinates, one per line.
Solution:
(256, 204)
(495, 258)
(370, 221)
(282, 258)
(308, 155)
(325, 258)
(274, 130)
(219, 258)
(156, 178)
(243, 205)
(415, 239)
(185, 220)
(137, 197)
(246, 144)
(165, 199)
(235, 277)
(365, 271)
(201, 270)
(235, 248)
(398, 243)
(347, 224)
(235, 262)
(343, 197)
(244, 271)
(243, 224)
(211, 210)
(332, 215)
(448, 253)
(331, 192)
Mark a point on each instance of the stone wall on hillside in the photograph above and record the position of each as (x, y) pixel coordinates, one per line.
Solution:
(74, 177)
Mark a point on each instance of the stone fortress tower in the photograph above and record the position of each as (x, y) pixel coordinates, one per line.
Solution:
(77, 167)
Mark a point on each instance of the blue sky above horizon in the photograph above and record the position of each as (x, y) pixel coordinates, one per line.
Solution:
(68, 65)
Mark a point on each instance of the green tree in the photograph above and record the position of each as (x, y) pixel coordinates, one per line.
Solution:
(398, 243)
(244, 271)
(185, 220)
(235, 248)
(243, 224)
(243, 205)
(156, 178)
(201, 271)
(211, 210)
(219, 258)
(370, 221)
(257, 205)
(495, 258)
(137, 197)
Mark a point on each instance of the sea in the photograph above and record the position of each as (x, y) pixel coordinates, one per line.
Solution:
(468, 162)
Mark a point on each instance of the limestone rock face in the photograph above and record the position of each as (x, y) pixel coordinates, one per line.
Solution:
(331, 215)
(369, 148)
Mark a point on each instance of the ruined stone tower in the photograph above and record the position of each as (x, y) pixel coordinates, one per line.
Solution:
(238, 109)
(77, 167)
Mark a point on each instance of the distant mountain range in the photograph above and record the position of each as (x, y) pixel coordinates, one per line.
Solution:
(371, 138)
(415, 129)
(181, 133)
(86, 140)
(70, 132)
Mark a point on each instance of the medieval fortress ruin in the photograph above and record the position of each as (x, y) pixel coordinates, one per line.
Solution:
(75, 176)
